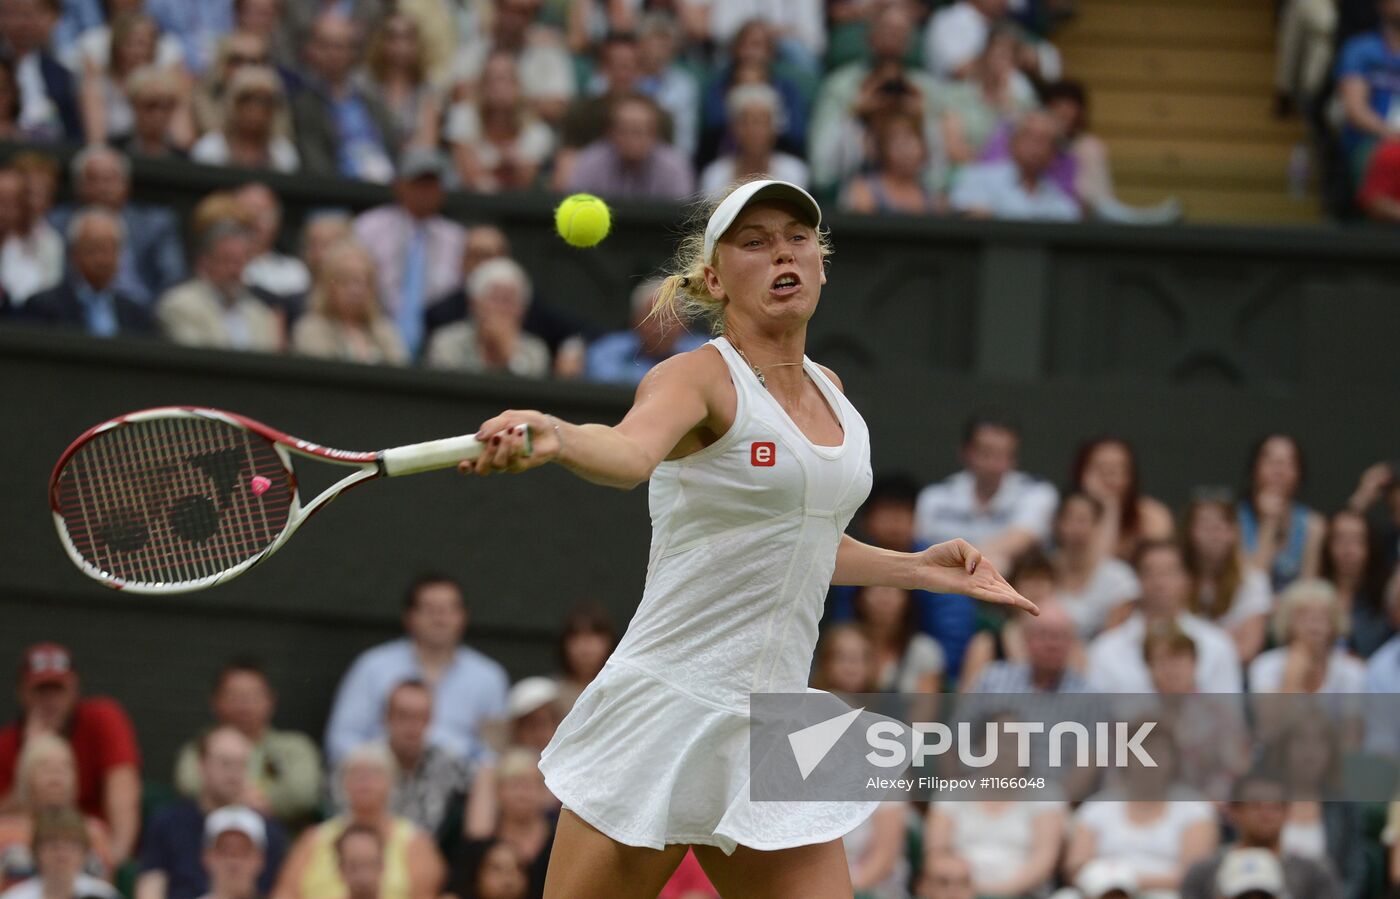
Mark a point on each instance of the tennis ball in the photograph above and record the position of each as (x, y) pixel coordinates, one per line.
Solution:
(582, 220)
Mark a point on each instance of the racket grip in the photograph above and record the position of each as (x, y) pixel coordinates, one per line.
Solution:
(432, 455)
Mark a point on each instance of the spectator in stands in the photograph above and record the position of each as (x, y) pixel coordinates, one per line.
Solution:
(1018, 188)
(1106, 469)
(41, 174)
(546, 69)
(1351, 563)
(107, 111)
(877, 852)
(396, 75)
(623, 357)
(1225, 589)
(1050, 649)
(1115, 657)
(945, 875)
(1000, 510)
(48, 92)
(1368, 67)
(248, 139)
(751, 60)
(1157, 827)
(1002, 637)
(280, 278)
(103, 741)
(172, 860)
(265, 19)
(1379, 194)
(468, 687)
(429, 780)
(198, 26)
(1378, 483)
(959, 32)
(1091, 582)
(153, 257)
(860, 93)
(88, 297)
(1011, 846)
(906, 659)
(586, 640)
(298, 21)
(900, 181)
(215, 308)
(417, 251)
(284, 766)
(341, 128)
(321, 230)
(1256, 813)
(343, 318)
(492, 338)
(1383, 667)
(94, 44)
(755, 117)
(799, 25)
(501, 874)
(31, 259)
(155, 102)
(235, 845)
(994, 94)
(1308, 754)
(533, 714)
(359, 857)
(46, 778)
(845, 660)
(238, 50)
(632, 161)
(498, 142)
(412, 868)
(666, 81)
(1281, 535)
(1309, 622)
(619, 75)
(525, 820)
(60, 846)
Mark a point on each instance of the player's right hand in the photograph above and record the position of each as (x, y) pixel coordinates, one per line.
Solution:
(505, 444)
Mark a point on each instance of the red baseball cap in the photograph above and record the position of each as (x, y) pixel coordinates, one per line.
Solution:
(46, 663)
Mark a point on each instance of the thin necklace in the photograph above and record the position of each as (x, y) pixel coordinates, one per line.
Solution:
(758, 372)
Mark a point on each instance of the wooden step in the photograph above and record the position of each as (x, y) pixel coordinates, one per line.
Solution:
(1087, 9)
(1182, 154)
(1167, 26)
(1166, 71)
(1233, 207)
(1145, 113)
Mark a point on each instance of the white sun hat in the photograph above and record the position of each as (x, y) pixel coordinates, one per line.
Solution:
(728, 211)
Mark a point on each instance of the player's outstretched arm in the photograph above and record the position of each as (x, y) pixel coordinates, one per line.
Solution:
(952, 567)
(671, 402)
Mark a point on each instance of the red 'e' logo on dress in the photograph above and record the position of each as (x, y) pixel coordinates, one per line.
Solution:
(763, 454)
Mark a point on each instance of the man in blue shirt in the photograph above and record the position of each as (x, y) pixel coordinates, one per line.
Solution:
(1368, 81)
(623, 357)
(88, 298)
(469, 689)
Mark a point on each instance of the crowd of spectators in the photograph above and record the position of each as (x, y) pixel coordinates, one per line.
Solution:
(880, 105)
(426, 781)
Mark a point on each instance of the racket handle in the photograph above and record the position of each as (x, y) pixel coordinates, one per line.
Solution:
(434, 454)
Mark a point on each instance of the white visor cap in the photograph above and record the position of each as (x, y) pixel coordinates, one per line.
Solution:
(728, 211)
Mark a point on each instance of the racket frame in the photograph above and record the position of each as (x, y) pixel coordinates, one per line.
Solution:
(403, 460)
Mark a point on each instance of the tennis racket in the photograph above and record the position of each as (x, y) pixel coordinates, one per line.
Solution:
(181, 498)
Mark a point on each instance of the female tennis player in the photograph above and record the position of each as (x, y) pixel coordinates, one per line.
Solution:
(756, 462)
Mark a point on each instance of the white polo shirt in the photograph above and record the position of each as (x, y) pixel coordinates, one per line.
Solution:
(1116, 664)
(950, 509)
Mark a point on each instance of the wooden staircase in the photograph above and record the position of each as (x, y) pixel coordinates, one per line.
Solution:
(1182, 92)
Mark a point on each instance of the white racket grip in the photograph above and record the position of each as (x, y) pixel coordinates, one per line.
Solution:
(432, 455)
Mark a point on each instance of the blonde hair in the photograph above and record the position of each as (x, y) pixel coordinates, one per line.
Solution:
(683, 296)
(36, 749)
(336, 253)
(375, 753)
(1306, 592)
(516, 762)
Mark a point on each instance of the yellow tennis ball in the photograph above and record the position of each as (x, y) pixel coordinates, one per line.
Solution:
(582, 220)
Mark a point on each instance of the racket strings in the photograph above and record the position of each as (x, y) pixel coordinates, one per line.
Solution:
(173, 500)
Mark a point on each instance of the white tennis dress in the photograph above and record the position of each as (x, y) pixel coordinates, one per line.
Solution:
(744, 537)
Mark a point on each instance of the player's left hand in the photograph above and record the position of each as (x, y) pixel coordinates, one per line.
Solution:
(959, 567)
